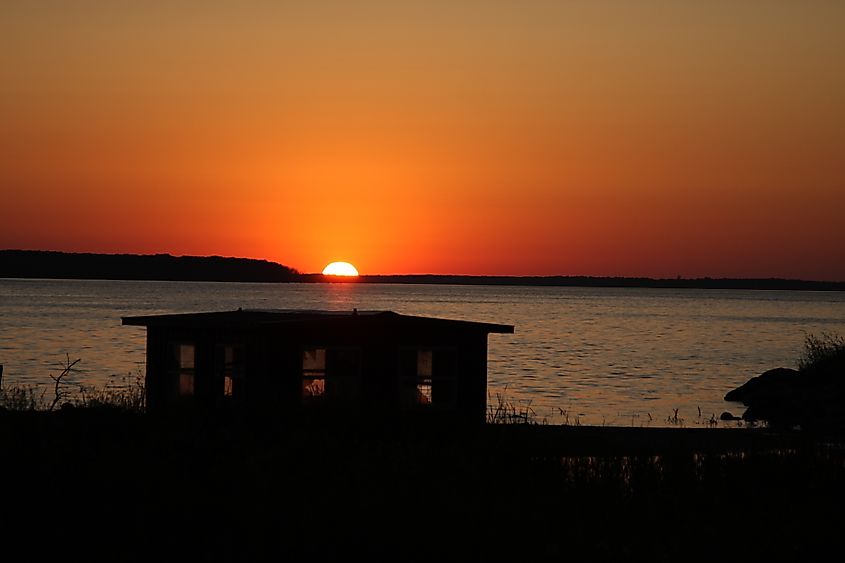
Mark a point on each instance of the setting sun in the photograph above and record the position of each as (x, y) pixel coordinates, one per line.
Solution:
(340, 269)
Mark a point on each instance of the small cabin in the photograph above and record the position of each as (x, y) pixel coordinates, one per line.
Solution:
(367, 361)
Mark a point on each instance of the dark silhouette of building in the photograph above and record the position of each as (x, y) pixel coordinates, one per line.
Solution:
(372, 362)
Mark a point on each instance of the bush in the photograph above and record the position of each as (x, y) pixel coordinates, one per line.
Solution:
(822, 353)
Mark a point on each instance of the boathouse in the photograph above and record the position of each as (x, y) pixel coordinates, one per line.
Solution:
(373, 361)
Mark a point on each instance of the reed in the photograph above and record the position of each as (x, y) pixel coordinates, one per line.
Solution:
(506, 411)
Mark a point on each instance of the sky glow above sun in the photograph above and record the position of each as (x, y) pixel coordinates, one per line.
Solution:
(588, 137)
(340, 269)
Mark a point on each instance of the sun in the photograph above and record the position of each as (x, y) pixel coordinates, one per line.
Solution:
(340, 269)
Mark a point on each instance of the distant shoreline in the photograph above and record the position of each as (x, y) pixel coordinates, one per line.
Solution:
(164, 267)
(587, 281)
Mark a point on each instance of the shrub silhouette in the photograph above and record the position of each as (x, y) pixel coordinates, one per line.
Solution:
(822, 353)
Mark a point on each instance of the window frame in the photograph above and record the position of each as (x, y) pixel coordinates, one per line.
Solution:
(436, 381)
(178, 373)
(311, 374)
(234, 371)
(328, 373)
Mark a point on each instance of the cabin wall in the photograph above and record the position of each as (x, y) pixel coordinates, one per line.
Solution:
(272, 368)
(380, 381)
(155, 370)
(273, 372)
(473, 397)
(205, 381)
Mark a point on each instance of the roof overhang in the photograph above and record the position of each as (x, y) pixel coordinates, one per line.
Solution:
(244, 318)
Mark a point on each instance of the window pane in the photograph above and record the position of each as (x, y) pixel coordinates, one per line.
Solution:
(424, 393)
(186, 384)
(424, 363)
(312, 388)
(314, 359)
(186, 356)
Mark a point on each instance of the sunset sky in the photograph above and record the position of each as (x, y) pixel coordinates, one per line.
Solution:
(471, 137)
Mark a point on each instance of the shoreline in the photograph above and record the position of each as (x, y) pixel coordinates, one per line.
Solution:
(715, 284)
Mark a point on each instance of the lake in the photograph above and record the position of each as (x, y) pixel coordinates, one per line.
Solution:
(613, 356)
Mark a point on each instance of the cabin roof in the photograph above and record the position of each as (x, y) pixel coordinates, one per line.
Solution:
(244, 318)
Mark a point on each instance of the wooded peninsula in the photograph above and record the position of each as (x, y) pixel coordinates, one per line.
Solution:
(42, 264)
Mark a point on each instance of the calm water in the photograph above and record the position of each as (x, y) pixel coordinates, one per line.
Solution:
(605, 356)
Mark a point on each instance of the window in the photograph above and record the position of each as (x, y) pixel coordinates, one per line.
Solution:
(313, 373)
(331, 374)
(185, 358)
(232, 368)
(423, 383)
(426, 376)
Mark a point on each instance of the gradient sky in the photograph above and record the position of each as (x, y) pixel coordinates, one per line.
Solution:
(478, 137)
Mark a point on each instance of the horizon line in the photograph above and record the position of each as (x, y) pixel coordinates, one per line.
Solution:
(462, 275)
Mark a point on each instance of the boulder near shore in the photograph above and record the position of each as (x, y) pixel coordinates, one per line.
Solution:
(785, 397)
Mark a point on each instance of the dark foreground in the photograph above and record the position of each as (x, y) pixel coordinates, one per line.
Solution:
(108, 484)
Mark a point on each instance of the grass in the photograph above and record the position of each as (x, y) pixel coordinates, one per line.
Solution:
(21, 398)
(123, 392)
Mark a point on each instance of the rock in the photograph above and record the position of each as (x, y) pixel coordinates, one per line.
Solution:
(750, 414)
(786, 398)
(776, 382)
(728, 416)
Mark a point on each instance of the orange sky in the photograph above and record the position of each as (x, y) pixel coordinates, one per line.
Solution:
(475, 137)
